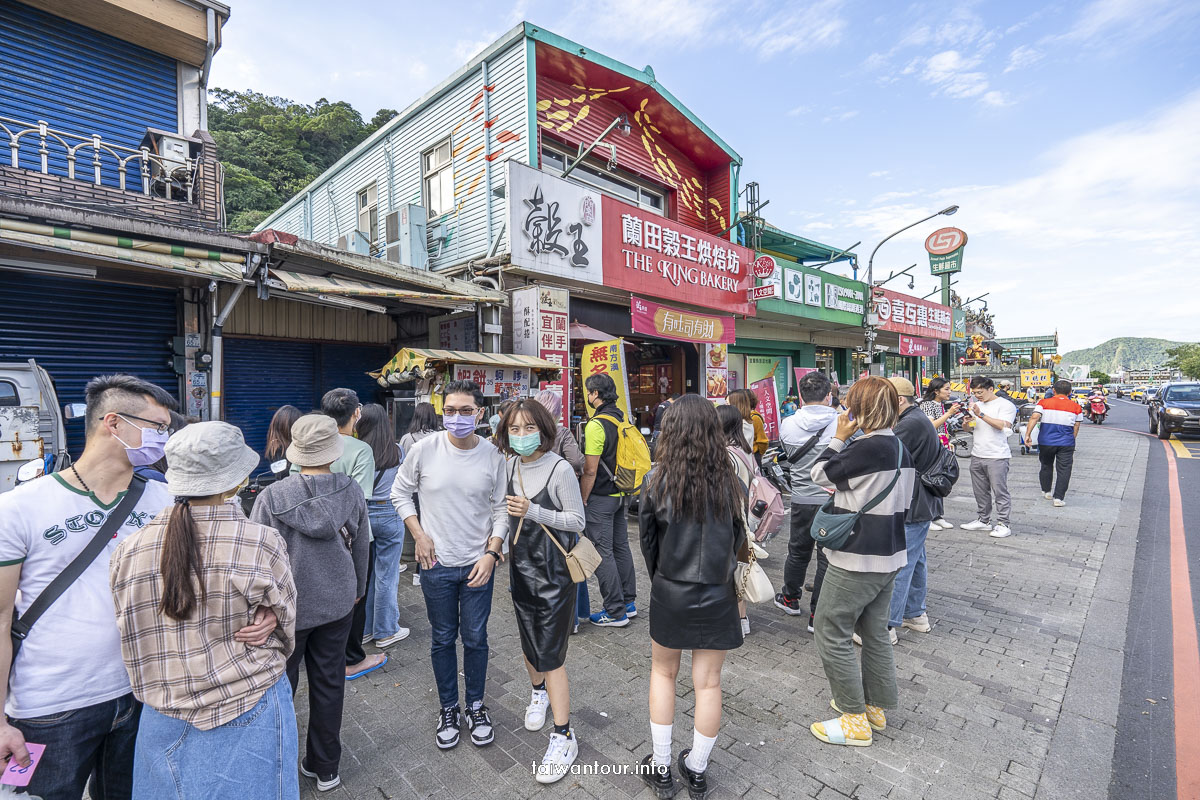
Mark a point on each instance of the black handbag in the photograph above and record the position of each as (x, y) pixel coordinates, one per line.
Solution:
(22, 624)
(941, 479)
(831, 529)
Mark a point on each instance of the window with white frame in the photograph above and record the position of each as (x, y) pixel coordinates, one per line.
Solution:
(614, 182)
(368, 213)
(438, 170)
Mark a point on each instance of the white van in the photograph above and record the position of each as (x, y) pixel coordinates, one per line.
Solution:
(31, 424)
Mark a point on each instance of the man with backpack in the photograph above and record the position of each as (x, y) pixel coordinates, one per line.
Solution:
(604, 504)
(916, 432)
(805, 435)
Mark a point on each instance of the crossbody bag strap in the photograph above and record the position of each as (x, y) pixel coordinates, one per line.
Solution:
(64, 579)
(803, 451)
(879, 498)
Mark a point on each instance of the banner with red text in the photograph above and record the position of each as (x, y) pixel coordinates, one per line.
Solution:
(914, 346)
(903, 314)
(645, 252)
(541, 328)
(768, 404)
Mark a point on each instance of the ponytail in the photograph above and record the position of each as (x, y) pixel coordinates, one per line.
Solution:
(180, 558)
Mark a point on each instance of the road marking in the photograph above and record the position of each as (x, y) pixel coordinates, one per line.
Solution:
(1186, 664)
(1180, 449)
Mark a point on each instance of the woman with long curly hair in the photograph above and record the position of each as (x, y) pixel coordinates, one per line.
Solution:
(692, 527)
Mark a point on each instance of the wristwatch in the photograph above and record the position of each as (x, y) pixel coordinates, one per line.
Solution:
(495, 555)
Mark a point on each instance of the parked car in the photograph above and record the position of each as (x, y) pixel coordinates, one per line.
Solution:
(31, 424)
(1177, 410)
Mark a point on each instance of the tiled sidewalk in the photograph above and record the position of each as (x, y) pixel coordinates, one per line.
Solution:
(982, 697)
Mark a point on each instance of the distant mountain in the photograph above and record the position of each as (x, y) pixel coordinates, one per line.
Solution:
(1130, 352)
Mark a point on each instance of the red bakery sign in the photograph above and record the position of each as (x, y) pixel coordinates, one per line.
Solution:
(652, 255)
(903, 314)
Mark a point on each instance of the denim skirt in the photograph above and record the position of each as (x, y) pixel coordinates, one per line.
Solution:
(250, 758)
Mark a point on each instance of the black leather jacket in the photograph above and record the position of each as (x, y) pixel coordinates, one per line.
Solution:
(916, 432)
(693, 552)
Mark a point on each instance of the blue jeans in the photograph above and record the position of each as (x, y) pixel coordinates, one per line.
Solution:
(383, 605)
(455, 608)
(908, 596)
(252, 757)
(91, 742)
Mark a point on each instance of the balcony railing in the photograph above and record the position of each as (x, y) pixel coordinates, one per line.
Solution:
(170, 178)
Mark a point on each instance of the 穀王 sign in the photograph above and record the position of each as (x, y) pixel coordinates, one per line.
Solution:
(903, 314)
(647, 253)
(914, 346)
(654, 319)
(945, 248)
(554, 226)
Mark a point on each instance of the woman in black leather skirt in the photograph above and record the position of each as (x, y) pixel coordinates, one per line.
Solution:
(691, 530)
(544, 501)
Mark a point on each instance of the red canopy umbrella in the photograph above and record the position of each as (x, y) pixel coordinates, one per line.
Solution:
(587, 333)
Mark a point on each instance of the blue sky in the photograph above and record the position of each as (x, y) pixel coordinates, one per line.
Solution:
(1068, 132)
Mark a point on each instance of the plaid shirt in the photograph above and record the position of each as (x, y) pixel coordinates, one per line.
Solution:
(194, 670)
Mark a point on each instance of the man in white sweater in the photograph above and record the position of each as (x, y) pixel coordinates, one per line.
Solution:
(460, 481)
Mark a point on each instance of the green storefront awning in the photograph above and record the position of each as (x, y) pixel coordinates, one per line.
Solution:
(796, 248)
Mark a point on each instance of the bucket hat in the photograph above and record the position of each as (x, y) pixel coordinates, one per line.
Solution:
(904, 386)
(207, 458)
(315, 441)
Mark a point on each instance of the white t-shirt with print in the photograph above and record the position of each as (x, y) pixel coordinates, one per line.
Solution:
(989, 442)
(72, 656)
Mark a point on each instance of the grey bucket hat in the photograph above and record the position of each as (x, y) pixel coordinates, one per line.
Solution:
(207, 458)
(315, 441)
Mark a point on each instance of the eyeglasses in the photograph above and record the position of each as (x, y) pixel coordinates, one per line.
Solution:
(160, 427)
(459, 412)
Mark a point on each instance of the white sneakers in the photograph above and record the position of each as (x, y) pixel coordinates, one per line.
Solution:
(745, 627)
(535, 712)
(892, 636)
(560, 755)
(388, 641)
(1048, 495)
(1001, 531)
(975, 525)
(1059, 503)
(941, 524)
(919, 624)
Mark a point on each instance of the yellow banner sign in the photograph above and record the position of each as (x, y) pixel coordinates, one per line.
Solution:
(607, 358)
(1039, 378)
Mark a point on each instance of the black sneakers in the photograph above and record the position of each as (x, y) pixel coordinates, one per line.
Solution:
(449, 725)
(659, 779)
(790, 605)
(696, 782)
(480, 725)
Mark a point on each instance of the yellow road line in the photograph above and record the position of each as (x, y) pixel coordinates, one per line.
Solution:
(1180, 449)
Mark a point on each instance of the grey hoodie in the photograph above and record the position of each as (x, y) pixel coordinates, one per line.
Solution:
(309, 511)
(794, 432)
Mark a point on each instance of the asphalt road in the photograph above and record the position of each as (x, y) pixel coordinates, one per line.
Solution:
(1145, 760)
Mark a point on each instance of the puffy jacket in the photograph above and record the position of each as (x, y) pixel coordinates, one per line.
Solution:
(685, 550)
(794, 432)
(915, 430)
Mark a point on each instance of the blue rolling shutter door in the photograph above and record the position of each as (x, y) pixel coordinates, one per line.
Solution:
(79, 329)
(83, 82)
(262, 375)
(347, 365)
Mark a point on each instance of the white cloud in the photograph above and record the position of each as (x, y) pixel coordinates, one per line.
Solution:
(636, 22)
(996, 99)
(798, 110)
(799, 28)
(1022, 57)
(954, 75)
(881, 173)
(839, 115)
(1130, 20)
(1103, 222)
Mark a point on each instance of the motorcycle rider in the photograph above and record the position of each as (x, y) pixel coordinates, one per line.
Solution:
(1096, 397)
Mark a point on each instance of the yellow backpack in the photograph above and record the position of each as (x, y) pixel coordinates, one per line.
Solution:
(633, 455)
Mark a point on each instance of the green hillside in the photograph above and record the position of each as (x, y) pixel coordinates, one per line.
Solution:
(1130, 352)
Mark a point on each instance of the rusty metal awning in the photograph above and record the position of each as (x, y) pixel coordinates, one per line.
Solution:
(416, 357)
(350, 287)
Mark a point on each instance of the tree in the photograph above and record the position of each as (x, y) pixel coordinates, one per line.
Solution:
(273, 147)
(1101, 377)
(1186, 359)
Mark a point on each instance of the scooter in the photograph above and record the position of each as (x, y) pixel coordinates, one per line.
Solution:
(1097, 410)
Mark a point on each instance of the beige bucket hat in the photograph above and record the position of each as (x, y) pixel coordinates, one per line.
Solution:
(315, 441)
(206, 459)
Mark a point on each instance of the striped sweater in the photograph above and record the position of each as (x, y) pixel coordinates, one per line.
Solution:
(858, 472)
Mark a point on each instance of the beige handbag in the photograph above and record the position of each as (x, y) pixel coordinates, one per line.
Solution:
(752, 582)
(582, 559)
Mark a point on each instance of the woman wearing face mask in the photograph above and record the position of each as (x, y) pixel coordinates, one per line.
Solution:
(543, 498)
(183, 587)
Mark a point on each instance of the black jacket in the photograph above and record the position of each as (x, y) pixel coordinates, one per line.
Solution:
(916, 432)
(693, 552)
(607, 470)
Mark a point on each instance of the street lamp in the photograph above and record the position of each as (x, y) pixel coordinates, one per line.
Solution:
(870, 330)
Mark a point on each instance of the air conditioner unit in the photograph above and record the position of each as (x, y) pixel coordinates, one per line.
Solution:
(169, 170)
(405, 232)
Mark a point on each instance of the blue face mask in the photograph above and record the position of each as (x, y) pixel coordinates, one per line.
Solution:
(525, 445)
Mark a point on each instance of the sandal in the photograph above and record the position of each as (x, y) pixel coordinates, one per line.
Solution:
(368, 670)
(833, 704)
(835, 734)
